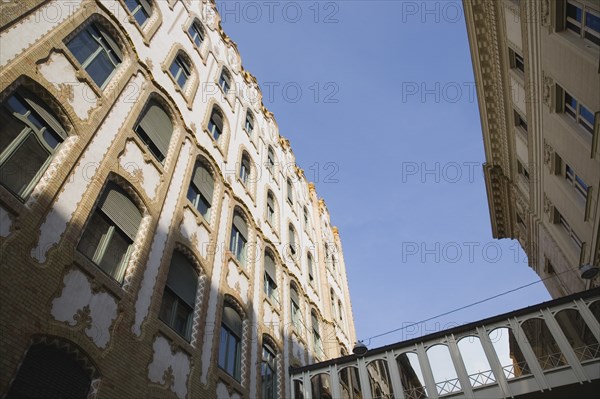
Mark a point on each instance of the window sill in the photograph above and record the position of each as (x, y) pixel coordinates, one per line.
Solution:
(246, 190)
(272, 228)
(227, 97)
(174, 338)
(200, 220)
(98, 276)
(149, 158)
(275, 306)
(231, 382)
(216, 144)
(243, 270)
(579, 45)
(584, 137)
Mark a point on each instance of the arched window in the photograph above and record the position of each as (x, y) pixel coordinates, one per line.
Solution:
(271, 208)
(268, 372)
(97, 52)
(318, 344)
(200, 192)
(110, 232)
(140, 9)
(180, 70)
(292, 239)
(215, 124)
(48, 371)
(340, 311)
(271, 160)
(311, 272)
(270, 286)
(295, 305)
(225, 80)
(239, 238)
(290, 191)
(155, 129)
(230, 342)
(245, 168)
(29, 136)
(196, 32)
(179, 297)
(249, 125)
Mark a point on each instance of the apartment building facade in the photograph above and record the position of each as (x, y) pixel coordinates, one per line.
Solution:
(537, 71)
(157, 238)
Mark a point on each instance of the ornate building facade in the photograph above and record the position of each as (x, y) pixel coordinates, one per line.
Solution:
(537, 69)
(157, 238)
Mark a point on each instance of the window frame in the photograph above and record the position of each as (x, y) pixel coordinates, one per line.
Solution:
(146, 10)
(225, 81)
(184, 68)
(36, 113)
(581, 29)
(196, 30)
(230, 334)
(212, 127)
(179, 302)
(103, 39)
(574, 113)
(576, 182)
(269, 362)
(199, 197)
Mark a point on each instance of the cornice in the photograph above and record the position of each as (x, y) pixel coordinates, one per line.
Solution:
(491, 81)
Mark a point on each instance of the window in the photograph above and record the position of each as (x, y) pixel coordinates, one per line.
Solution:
(332, 303)
(180, 70)
(239, 238)
(215, 124)
(520, 121)
(292, 238)
(577, 182)
(201, 190)
(249, 125)
(230, 342)
(155, 129)
(196, 33)
(570, 232)
(271, 160)
(516, 60)
(295, 305)
(306, 220)
(318, 344)
(179, 297)
(311, 273)
(140, 9)
(333, 263)
(522, 171)
(110, 232)
(245, 169)
(270, 208)
(581, 114)
(270, 287)
(584, 21)
(340, 311)
(290, 191)
(29, 136)
(225, 81)
(268, 373)
(97, 52)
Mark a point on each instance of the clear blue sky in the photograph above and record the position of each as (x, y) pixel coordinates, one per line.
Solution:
(395, 99)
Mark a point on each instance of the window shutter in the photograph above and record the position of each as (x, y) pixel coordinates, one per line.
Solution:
(44, 113)
(315, 322)
(270, 268)
(157, 125)
(294, 296)
(270, 202)
(217, 120)
(119, 208)
(292, 236)
(232, 319)
(182, 278)
(147, 6)
(114, 46)
(203, 180)
(240, 225)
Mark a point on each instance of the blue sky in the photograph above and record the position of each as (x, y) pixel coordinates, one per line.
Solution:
(386, 113)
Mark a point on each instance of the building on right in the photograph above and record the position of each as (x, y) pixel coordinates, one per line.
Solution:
(537, 71)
